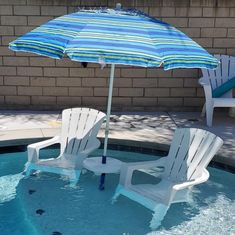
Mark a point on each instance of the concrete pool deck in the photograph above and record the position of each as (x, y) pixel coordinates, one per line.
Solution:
(147, 130)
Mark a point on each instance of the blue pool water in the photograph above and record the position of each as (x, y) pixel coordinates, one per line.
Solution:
(46, 205)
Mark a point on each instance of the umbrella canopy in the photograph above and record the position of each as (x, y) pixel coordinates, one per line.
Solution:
(108, 36)
(115, 37)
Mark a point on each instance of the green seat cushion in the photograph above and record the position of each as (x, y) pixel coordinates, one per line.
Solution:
(225, 87)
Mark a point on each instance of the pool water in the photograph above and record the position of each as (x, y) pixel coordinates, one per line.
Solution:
(46, 205)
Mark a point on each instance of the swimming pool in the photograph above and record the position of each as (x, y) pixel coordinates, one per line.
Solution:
(46, 205)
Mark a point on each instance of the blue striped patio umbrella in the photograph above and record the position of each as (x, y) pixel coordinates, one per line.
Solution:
(115, 36)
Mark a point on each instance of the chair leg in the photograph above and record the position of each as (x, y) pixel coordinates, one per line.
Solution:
(209, 114)
(158, 215)
(203, 111)
(28, 170)
(116, 194)
(74, 177)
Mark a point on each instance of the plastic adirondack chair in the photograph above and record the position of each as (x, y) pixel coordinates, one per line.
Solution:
(185, 166)
(214, 78)
(78, 139)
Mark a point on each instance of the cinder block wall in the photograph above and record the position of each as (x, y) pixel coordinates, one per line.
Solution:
(28, 81)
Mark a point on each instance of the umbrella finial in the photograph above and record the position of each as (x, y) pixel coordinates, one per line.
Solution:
(118, 6)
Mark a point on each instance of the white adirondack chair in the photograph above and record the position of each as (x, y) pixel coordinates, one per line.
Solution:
(78, 139)
(214, 78)
(185, 166)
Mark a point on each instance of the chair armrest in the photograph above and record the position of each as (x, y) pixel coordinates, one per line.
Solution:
(203, 178)
(33, 149)
(127, 169)
(207, 88)
(203, 81)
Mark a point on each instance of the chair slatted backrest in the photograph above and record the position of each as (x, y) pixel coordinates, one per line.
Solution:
(191, 151)
(80, 127)
(224, 72)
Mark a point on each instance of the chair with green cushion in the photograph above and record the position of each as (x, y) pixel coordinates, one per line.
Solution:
(218, 85)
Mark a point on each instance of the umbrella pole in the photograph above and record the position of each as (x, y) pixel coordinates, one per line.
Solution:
(102, 178)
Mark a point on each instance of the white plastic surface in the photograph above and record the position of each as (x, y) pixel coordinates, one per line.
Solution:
(185, 166)
(94, 164)
(214, 78)
(78, 139)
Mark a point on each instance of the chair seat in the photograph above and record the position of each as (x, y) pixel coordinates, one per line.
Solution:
(224, 102)
(56, 162)
(155, 192)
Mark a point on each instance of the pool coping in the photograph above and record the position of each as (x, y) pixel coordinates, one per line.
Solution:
(28, 136)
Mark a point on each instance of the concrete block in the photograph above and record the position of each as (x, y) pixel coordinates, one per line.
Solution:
(80, 91)
(41, 61)
(56, 72)
(155, 11)
(167, 11)
(195, 12)
(177, 22)
(43, 100)
(224, 42)
(157, 92)
(6, 10)
(94, 101)
(204, 3)
(185, 73)
(19, 100)
(16, 80)
(38, 20)
(66, 62)
(56, 91)
(17, 61)
(122, 82)
(170, 102)
(231, 33)
(131, 92)
(7, 90)
(191, 82)
(195, 102)
(192, 32)
(143, 101)
(105, 73)
(225, 22)
(42, 81)
(145, 82)
(216, 12)
(27, 90)
(69, 82)
(133, 72)
(7, 70)
(53, 10)
(26, 10)
(21, 30)
(7, 39)
(70, 101)
(204, 42)
(99, 91)
(201, 22)
(158, 73)
(29, 71)
(13, 2)
(170, 82)
(14, 20)
(7, 30)
(183, 92)
(121, 101)
(82, 72)
(4, 50)
(214, 32)
(94, 82)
